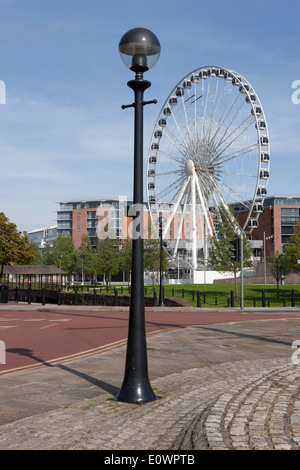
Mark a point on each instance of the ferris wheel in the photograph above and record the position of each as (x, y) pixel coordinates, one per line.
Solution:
(209, 153)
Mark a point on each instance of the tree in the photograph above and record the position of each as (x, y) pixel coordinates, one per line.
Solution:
(85, 257)
(62, 254)
(107, 258)
(220, 254)
(292, 249)
(280, 265)
(126, 257)
(152, 257)
(14, 245)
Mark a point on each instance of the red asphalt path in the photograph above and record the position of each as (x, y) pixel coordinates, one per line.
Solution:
(32, 338)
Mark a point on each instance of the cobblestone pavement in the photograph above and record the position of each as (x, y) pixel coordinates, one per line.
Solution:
(226, 386)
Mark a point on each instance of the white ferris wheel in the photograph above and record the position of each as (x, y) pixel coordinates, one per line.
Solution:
(209, 151)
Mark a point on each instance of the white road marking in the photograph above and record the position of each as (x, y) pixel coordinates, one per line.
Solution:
(6, 327)
(9, 319)
(48, 326)
(63, 319)
(35, 319)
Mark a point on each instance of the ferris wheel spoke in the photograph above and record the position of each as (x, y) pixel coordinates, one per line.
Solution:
(235, 173)
(235, 130)
(215, 109)
(172, 172)
(238, 198)
(226, 208)
(184, 143)
(233, 140)
(221, 122)
(186, 120)
(171, 157)
(165, 192)
(219, 126)
(220, 160)
(204, 112)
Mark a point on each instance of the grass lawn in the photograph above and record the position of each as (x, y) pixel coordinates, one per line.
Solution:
(212, 295)
(217, 295)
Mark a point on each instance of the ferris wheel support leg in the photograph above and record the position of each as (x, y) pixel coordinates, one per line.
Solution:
(194, 226)
(204, 207)
(175, 207)
(179, 234)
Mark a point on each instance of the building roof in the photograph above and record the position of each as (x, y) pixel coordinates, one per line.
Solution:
(42, 229)
(26, 269)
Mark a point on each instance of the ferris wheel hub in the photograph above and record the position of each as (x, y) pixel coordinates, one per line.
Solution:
(189, 168)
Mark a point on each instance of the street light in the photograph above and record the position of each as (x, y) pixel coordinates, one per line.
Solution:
(139, 49)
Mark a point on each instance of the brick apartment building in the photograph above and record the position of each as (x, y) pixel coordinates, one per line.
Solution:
(276, 223)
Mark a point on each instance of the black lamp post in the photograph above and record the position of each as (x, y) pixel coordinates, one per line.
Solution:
(139, 50)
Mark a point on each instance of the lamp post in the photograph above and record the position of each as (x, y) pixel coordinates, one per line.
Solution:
(139, 49)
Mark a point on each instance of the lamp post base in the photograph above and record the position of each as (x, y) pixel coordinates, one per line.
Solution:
(138, 393)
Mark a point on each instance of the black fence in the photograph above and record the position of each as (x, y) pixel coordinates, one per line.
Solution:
(77, 295)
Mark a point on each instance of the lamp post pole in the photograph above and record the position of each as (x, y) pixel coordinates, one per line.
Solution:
(136, 387)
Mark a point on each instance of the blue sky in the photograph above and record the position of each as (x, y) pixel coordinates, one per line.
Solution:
(63, 134)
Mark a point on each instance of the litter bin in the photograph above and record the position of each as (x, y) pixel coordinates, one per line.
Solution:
(3, 294)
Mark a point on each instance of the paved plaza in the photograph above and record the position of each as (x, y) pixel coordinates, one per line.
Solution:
(220, 386)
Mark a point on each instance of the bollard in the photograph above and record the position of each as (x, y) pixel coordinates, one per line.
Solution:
(263, 299)
(95, 297)
(116, 298)
(59, 297)
(182, 293)
(16, 295)
(198, 299)
(293, 298)
(76, 295)
(43, 296)
(154, 298)
(2, 353)
(231, 299)
(29, 295)
(172, 291)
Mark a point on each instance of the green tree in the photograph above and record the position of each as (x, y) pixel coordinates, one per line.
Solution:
(220, 254)
(14, 245)
(292, 249)
(126, 257)
(280, 265)
(38, 256)
(152, 257)
(107, 258)
(85, 257)
(61, 254)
